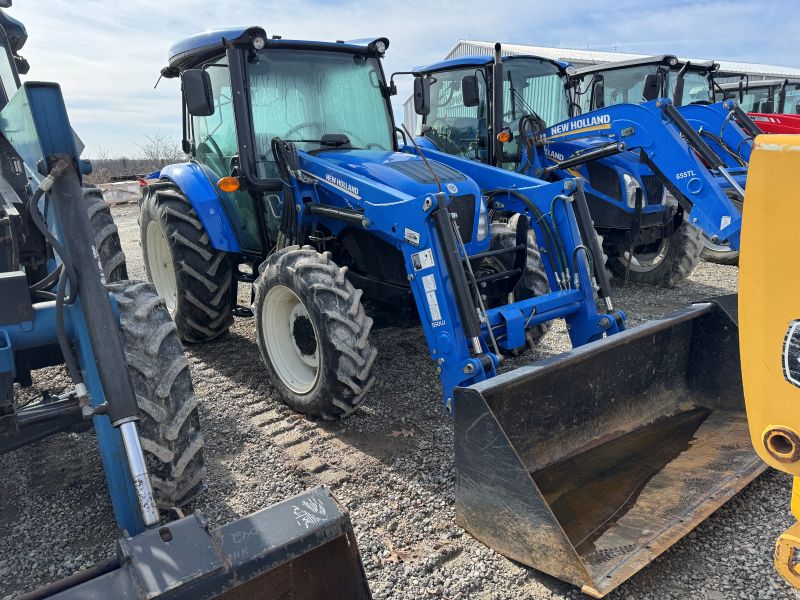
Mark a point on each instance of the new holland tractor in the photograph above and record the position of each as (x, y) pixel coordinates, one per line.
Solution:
(692, 87)
(653, 185)
(298, 187)
(65, 300)
(587, 465)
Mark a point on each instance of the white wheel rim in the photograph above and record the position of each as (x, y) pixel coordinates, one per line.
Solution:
(162, 271)
(721, 248)
(643, 262)
(287, 329)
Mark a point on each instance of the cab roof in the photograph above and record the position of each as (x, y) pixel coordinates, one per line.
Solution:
(659, 59)
(479, 60)
(199, 47)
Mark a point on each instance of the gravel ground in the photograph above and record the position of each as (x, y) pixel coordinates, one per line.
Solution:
(56, 517)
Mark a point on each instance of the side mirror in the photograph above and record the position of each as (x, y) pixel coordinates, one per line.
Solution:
(22, 65)
(422, 95)
(650, 89)
(767, 107)
(197, 92)
(469, 90)
(597, 94)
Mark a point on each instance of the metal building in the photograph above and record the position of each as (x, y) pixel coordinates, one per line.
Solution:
(584, 58)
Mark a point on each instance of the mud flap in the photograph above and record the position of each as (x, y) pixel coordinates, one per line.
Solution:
(301, 548)
(588, 465)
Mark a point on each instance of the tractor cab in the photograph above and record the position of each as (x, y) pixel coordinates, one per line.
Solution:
(767, 96)
(642, 80)
(460, 100)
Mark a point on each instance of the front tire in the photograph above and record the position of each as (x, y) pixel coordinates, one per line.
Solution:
(170, 426)
(105, 235)
(313, 333)
(194, 278)
(720, 254)
(668, 262)
(533, 282)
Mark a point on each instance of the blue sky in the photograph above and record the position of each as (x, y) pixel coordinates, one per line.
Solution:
(107, 55)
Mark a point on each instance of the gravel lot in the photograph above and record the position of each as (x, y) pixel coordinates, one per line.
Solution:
(55, 516)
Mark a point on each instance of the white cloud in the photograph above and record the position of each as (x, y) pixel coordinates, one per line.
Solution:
(107, 55)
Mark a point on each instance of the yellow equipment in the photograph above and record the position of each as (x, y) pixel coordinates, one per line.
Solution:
(769, 323)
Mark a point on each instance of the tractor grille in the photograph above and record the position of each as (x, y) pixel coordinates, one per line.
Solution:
(419, 172)
(464, 207)
(653, 189)
(605, 180)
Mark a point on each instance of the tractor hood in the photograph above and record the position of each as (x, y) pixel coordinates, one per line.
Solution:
(406, 173)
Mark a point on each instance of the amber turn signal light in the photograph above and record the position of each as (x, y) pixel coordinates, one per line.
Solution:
(228, 184)
(504, 136)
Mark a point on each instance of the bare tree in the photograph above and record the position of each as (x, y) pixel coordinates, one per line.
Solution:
(160, 149)
(155, 151)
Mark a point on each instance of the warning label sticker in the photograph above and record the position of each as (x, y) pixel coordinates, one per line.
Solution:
(429, 283)
(411, 236)
(724, 221)
(422, 260)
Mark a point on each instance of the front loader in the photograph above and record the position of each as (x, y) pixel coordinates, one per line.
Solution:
(769, 305)
(299, 187)
(692, 88)
(65, 300)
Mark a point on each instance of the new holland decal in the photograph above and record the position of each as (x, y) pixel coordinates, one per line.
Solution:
(580, 125)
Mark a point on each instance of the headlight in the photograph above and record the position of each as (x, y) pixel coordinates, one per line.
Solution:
(259, 43)
(631, 185)
(483, 222)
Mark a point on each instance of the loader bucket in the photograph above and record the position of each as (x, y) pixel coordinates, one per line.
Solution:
(300, 549)
(588, 465)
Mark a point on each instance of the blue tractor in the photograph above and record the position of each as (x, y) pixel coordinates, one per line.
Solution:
(297, 185)
(692, 88)
(649, 194)
(65, 300)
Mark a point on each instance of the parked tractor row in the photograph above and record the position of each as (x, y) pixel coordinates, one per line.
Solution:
(527, 181)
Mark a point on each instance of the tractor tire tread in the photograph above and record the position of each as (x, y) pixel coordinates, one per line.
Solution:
(105, 235)
(169, 427)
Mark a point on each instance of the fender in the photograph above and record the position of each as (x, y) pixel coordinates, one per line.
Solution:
(193, 181)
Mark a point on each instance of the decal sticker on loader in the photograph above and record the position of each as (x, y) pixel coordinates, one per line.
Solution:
(429, 284)
(791, 354)
(422, 260)
(724, 221)
(312, 513)
(411, 236)
(452, 188)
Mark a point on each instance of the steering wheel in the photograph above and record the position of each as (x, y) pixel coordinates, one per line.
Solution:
(303, 125)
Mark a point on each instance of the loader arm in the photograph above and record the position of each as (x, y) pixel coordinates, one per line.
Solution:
(719, 125)
(769, 308)
(658, 132)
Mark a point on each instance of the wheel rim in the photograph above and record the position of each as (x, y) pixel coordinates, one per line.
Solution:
(291, 339)
(643, 262)
(162, 271)
(720, 248)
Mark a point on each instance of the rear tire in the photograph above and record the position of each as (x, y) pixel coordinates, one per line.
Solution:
(105, 235)
(170, 426)
(193, 277)
(533, 282)
(313, 333)
(674, 261)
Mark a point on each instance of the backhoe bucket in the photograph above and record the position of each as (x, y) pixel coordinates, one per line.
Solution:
(300, 549)
(590, 464)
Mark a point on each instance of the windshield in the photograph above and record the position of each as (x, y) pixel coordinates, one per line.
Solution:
(620, 86)
(456, 128)
(696, 86)
(314, 98)
(533, 86)
(765, 99)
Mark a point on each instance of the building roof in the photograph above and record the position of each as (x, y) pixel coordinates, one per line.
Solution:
(593, 56)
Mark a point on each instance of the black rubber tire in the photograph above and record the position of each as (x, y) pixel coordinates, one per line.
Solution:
(682, 256)
(105, 235)
(730, 257)
(342, 329)
(170, 425)
(204, 275)
(533, 281)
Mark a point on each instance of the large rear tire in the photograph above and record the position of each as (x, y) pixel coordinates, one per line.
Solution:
(532, 283)
(170, 426)
(193, 278)
(313, 333)
(666, 263)
(105, 235)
